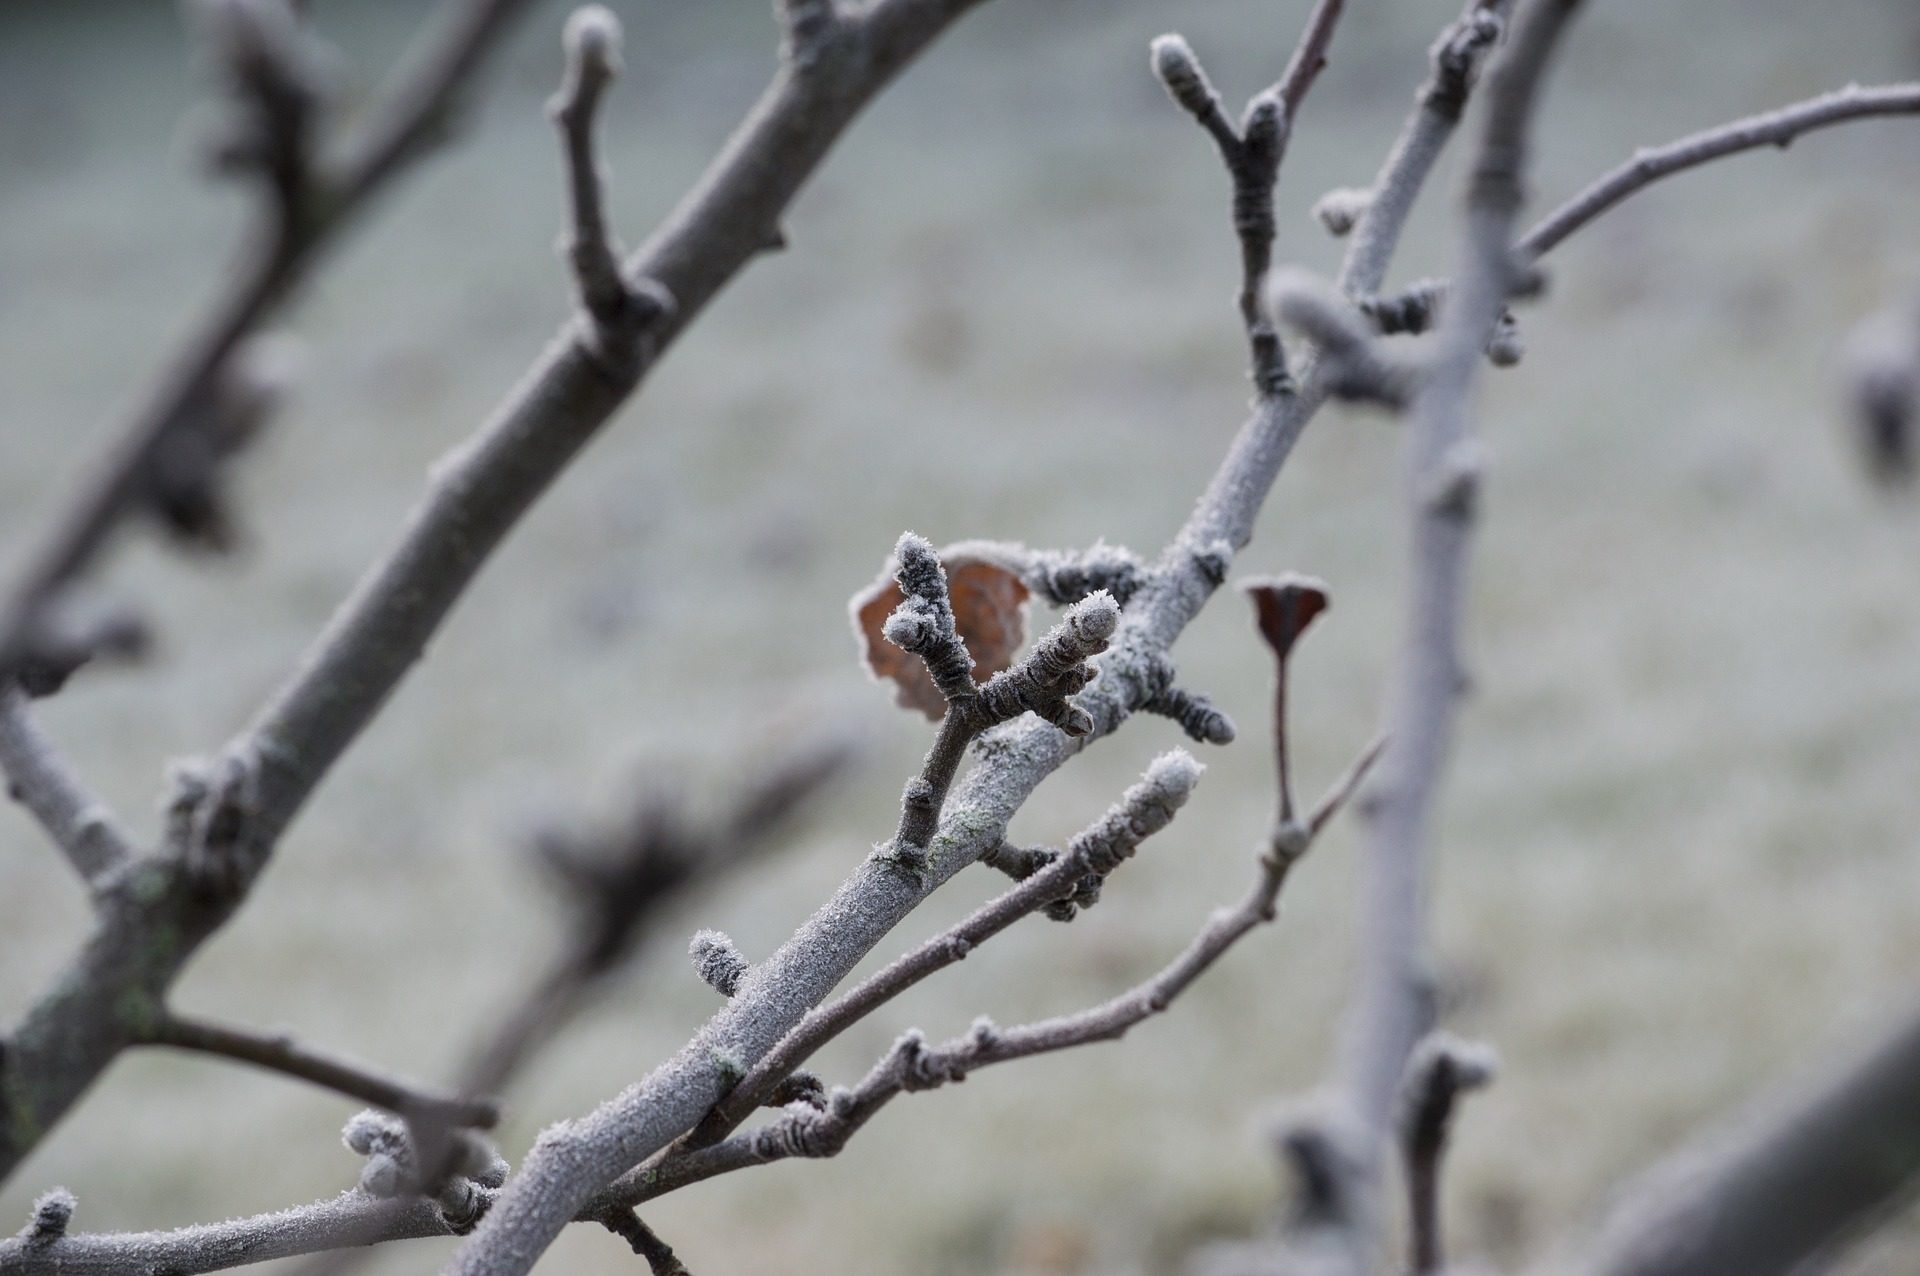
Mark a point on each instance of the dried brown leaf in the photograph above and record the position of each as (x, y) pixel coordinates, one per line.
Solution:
(989, 610)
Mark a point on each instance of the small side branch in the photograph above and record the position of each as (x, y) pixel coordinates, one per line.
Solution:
(1441, 1071)
(1379, 215)
(616, 311)
(1252, 153)
(278, 1053)
(79, 823)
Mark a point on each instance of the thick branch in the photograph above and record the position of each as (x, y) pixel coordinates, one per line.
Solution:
(1390, 1007)
(1783, 1191)
(79, 823)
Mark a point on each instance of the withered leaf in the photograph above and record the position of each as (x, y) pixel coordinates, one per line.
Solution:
(989, 610)
(1283, 607)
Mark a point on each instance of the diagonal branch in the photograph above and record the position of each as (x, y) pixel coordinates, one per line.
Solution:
(1783, 1190)
(79, 823)
(1769, 128)
(274, 261)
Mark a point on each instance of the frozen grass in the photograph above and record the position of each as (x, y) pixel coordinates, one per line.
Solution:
(1680, 835)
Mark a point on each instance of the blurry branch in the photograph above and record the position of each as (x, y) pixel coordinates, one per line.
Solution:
(1883, 373)
(1391, 1007)
(78, 822)
(1356, 365)
(1770, 128)
(183, 429)
(618, 886)
(280, 1053)
(1252, 153)
(1377, 216)
(1441, 1070)
(1812, 1165)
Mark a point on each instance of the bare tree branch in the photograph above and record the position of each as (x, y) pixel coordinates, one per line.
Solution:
(1143, 810)
(277, 1052)
(78, 822)
(308, 202)
(1769, 128)
(1781, 1191)
(1383, 209)
(1441, 1070)
(1253, 153)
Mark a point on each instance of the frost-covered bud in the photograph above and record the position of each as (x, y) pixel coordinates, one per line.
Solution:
(1341, 209)
(382, 1176)
(1180, 71)
(1262, 126)
(1506, 347)
(718, 960)
(592, 40)
(371, 1130)
(51, 1214)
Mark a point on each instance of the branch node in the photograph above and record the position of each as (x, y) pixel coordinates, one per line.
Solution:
(48, 1222)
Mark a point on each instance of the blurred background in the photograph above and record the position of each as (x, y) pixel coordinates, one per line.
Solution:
(1680, 849)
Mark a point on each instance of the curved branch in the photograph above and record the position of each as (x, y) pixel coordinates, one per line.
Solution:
(280, 1053)
(1769, 128)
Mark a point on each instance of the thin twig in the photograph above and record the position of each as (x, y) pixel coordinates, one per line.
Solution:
(1769, 128)
(79, 823)
(1441, 1070)
(280, 1053)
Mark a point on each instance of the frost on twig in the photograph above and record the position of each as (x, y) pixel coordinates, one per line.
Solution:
(1054, 881)
(48, 1222)
(1043, 682)
(719, 961)
(1252, 153)
(1143, 810)
(617, 312)
(1441, 1070)
(212, 825)
(1202, 720)
(392, 1167)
